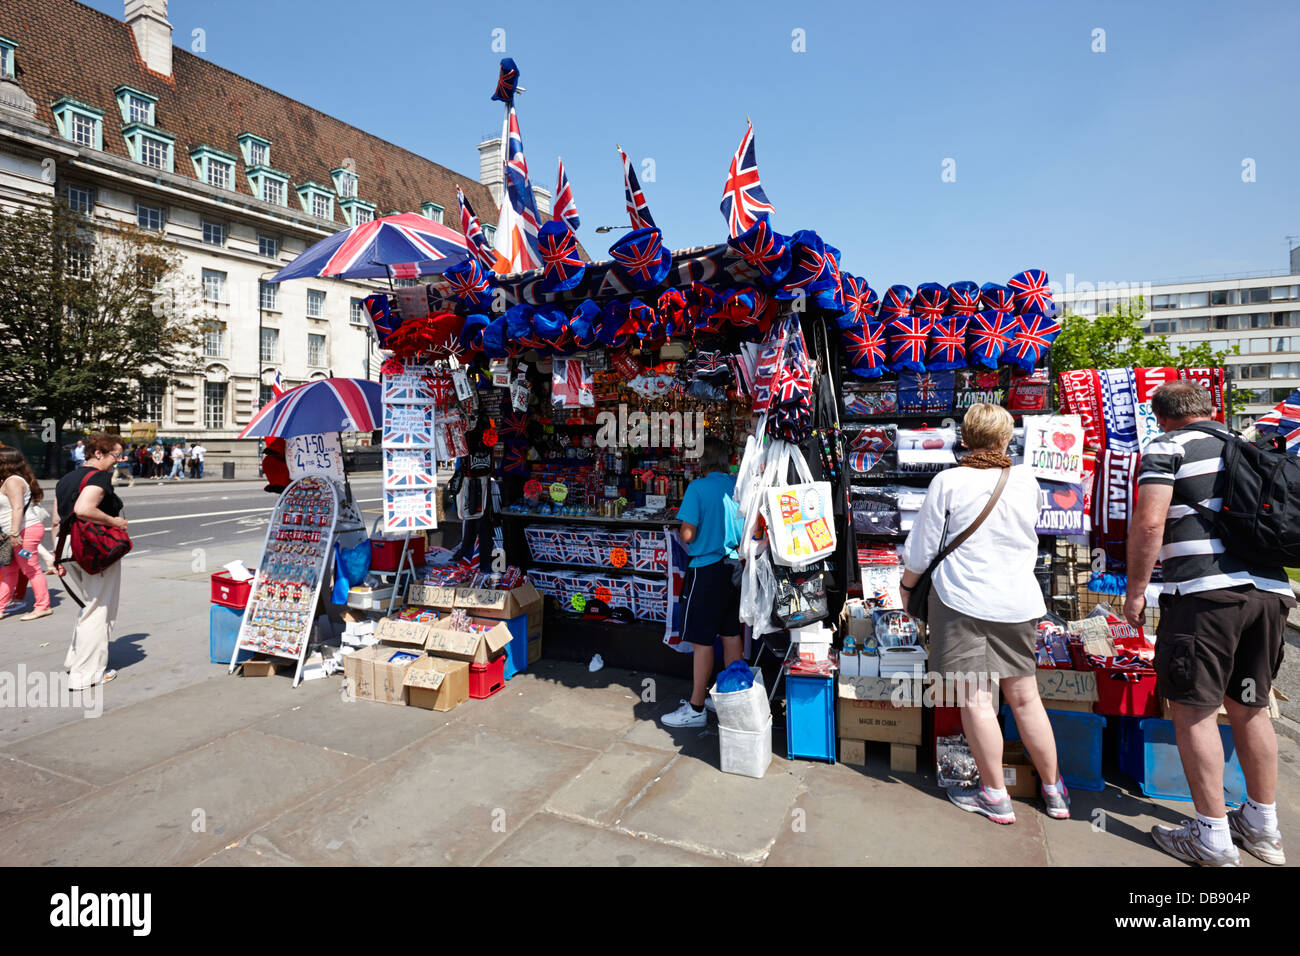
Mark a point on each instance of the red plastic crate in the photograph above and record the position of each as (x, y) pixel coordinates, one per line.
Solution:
(1125, 698)
(230, 593)
(486, 679)
(386, 552)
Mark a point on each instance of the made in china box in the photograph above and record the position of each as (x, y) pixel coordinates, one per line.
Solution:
(378, 672)
(867, 710)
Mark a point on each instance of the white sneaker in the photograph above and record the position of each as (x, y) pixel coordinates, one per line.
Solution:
(685, 716)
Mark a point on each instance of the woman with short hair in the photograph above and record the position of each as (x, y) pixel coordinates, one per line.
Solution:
(985, 605)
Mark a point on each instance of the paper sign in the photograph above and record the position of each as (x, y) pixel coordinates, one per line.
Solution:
(460, 379)
(403, 633)
(1067, 685)
(1095, 632)
(410, 510)
(409, 468)
(429, 595)
(1146, 425)
(656, 502)
(1054, 447)
(500, 373)
(408, 426)
(559, 491)
(314, 455)
(898, 690)
(618, 557)
(407, 387)
(1060, 508)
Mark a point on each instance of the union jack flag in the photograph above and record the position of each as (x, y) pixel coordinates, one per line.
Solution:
(514, 425)
(468, 282)
(963, 298)
(1031, 292)
(760, 248)
(381, 316)
(948, 343)
(473, 232)
(897, 303)
(410, 510)
(930, 301)
(988, 334)
(560, 255)
(766, 367)
(565, 208)
(865, 346)
(571, 384)
(743, 200)
(709, 364)
(515, 461)
(517, 182)
(1284, 420)
(409, 468)
(407, 387)
(1032, 339)
(638, 210)
(277, 387)
(907, 338)
(408, 426)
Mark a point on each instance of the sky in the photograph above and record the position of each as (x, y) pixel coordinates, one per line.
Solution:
(928, 141)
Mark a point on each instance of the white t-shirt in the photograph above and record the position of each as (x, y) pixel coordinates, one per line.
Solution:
(991, 575)
(198, 451)
(177, 453)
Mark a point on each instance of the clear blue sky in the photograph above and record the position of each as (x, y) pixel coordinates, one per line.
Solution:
(1123, 165)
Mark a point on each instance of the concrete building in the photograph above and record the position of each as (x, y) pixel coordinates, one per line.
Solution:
(1258, 313)
(126, 127)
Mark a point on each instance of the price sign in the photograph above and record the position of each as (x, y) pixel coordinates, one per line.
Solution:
(578, 602)
(1067, 685)
(559, 491)
(656, 502)
(618, 557)
(314, 455)
(602, 594)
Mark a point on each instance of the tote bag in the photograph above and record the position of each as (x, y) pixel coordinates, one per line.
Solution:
(800, 522)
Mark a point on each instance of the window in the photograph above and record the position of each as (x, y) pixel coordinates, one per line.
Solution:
(80, 260)
(322, 206)
(489, 232)
(269, 296)
(1164, 302)
(270, 345)
(141, 110)
(257, 151)
(1194, 324)
(1219, 298)
(151, 401)
(259, 154)
(1254, 295)
(273, 191)
(1283, 344)
(155, 152)
(316, 350)
(365, 215)
(149, 217)
(79, 122)
(1280, 292)
(220, 174)
(1160, 326)
(214, 233)
(1258, 346)
(214, 404)
(80, 199)
(1254, 371)
(7, 48)
(345, 181)
(268, 246)
(315, 304)
(432, 211)
(266, 395)
(136, 106)
(1285, 370)
(357, 211)
(214, 342)
(84, 129)
(356, 312)
(1194, 300)
(214, 286)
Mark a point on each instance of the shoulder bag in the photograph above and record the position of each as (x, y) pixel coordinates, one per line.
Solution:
(918, 598)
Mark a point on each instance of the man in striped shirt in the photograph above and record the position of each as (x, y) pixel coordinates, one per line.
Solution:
(1220, 635)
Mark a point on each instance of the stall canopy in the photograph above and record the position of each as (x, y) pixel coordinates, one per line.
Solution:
(395, 247)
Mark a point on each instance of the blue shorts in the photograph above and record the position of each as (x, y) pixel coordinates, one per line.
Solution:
(711, 604)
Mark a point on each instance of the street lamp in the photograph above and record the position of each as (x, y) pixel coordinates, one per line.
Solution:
(610, 228)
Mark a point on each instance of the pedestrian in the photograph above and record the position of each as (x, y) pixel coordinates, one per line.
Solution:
(87, 495)
(143, 461)
(197, 453)
(157, 456)
(77, 453)
(984, 607)
(1220, 636)
(178, 461)
(122, 470)
(20, 493)
(712, 601)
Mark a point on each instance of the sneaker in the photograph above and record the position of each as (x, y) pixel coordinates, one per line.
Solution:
(1185, 843)
(709, 705)
(685, 716)
(1265, 844)
(1058, 806)
(975, 800)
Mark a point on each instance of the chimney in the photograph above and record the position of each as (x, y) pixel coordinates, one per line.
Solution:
(153, 34)
(490, 170)
(542, 196)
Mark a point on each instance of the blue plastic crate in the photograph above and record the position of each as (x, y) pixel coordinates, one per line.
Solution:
(517, 649)
(1148, 752)
(1078, 746)
(223, 632)
(810, 718)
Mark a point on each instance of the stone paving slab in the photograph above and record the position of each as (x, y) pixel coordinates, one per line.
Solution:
(548, 840)
(604, 788)
(25, 790)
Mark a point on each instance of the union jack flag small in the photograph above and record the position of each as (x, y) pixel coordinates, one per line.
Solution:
(907, 338)
(408, 426)
(514, 425)
(473, 232)
(381, 316)
(638, 210)
(565, 208)
(710, 364)
(1031, 292)
(743, 200)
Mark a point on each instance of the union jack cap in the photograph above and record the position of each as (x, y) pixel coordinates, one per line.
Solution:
(988, 334)
(831, 295)
(765, 250)
(563, 266)
(583, 324)
(496, 343)
(704, 308)
(469, 283)
(641, 257)
(864, 346)
(994, 296)
(963, 298)
(897, 303)
(519, 326)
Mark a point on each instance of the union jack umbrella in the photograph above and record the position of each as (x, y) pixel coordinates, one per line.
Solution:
(642, 258)
(402, 246)
(1031, 292)
(907, 338)
(508, 83)
(472, 229)
(860, 302)
(963, 298)
(988, 335)
(1284, 420)
(565, 209)
(469, 283)
(864, 345)
(994, 296)
(948, 343)
(638, 210)
(327, 405)
(743, 201)
(563, 266)
(897, 303)
(1033, 338)
(766, 251)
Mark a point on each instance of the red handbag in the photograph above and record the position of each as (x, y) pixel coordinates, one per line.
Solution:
(95, 547)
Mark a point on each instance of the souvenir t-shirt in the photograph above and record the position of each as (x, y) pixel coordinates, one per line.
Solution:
(702, 507)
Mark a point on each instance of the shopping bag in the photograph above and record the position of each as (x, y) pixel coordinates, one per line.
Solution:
(799, 521)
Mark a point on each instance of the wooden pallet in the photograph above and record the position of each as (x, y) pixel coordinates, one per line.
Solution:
(902, 757)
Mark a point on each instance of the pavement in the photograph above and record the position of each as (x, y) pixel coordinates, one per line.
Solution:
(187, 765)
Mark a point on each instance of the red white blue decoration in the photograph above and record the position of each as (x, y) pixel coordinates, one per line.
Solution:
(469, 284)
(864, 346)
(640, 257)
(328, 405)
(564, 208)
(401, 247)
(563, 266)
(638, 210)
(743, 201)
(1284, 420)
(907, 338)
(472, 229)
(963, 298)
(947, 343)
(1032, 339)
(1031, 292)
(764, 251)
(987, 336)
(999, 297)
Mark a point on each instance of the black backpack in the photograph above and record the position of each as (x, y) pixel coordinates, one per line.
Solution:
(1259, 522)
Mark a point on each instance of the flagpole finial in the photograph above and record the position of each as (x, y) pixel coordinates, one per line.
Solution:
(748, 121)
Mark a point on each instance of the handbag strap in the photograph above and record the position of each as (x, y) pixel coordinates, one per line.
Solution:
(988, 508)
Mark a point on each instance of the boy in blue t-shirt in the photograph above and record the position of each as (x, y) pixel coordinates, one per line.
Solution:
(711, 601)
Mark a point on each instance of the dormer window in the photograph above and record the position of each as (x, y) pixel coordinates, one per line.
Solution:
(79, 122)
(317, 200)
(256, 150)
(149, 145)
(357, 211)
(345, 182)
(270, 185)
(431, 210)
(214, 167)
(136, 105)
(7, 50)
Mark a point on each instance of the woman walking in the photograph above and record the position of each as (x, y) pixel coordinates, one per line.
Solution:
(20, 494)
(984, 607)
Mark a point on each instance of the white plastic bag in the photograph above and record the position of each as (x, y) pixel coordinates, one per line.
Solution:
(800, 526)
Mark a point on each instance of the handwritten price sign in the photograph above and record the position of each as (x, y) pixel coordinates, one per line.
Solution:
(1067, 685)
(314, 455)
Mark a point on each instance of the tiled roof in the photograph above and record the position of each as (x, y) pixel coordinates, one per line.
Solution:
(68, 49)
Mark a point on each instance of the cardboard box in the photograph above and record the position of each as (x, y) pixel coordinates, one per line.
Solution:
(261, 666)
(1071, 706)
(359, 670)
(1273, 710)
(434, 683)
(391, 666)
(1018, 774)
(408, 634)
(503, 605)
(534, 649)
(853, 752)
(429, 595)
(902, 758)
(1057, 684)
(477, 648)
(867, 710)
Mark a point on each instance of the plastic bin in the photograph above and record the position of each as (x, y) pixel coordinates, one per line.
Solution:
(228, 592)
(487, 679)
(1148, 752)
(517, 649)
(1078, 746)
(1127, 698)
(223, 632)
(810, 718)
(745, 710)
(746, 752)
(385, 553)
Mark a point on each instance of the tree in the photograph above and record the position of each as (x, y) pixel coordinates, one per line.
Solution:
(89, 312)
